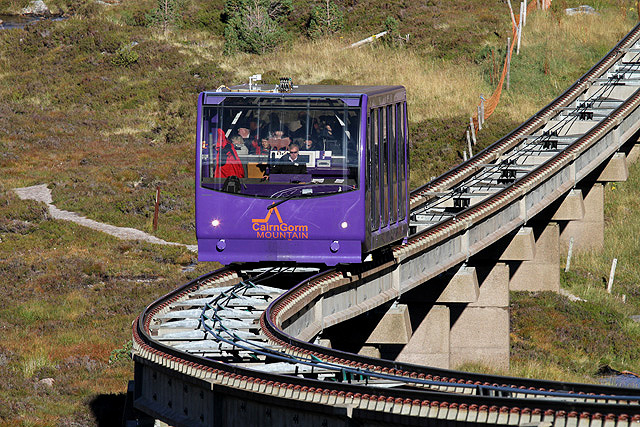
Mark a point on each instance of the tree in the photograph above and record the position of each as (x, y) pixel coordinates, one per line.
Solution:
(325, 19)
(255, 26)
(165, 14)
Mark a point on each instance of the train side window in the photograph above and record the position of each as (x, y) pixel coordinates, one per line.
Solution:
(393, 166)
(367, 170)
(404, 164)
(373, 132)
(402, 161)
(384, 162)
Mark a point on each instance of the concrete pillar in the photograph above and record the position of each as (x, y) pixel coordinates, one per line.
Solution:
(587, 233)
(462, 287)
(616, 169)
(517, 246)
(543, 272)
(393, 328)
(633, 154)
(480, 330)
(521, 247)
(429, 344)
(571, 207)
(370, 351)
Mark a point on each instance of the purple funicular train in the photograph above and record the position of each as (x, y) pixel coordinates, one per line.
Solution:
(308, 174)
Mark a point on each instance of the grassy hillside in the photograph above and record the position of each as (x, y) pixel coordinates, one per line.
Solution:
(101, 107)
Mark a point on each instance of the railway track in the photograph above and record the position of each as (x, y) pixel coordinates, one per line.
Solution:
(245, 334)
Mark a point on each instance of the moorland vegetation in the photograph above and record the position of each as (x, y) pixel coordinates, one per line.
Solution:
(100, 107)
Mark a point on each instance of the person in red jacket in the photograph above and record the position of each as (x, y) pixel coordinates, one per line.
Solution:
(227, 161)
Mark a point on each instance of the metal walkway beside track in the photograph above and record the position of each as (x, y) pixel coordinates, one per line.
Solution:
(232, 347)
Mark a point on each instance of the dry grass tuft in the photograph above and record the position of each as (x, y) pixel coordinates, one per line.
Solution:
(435, 88)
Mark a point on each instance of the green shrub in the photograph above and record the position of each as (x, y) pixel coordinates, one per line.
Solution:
(326, 19)
(203, 17)
(122, 354)
(392, 38)
(125, 56)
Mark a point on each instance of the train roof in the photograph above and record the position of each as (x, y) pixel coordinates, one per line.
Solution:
(340, 90)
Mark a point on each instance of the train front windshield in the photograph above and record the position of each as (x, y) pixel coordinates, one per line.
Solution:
(279, 147)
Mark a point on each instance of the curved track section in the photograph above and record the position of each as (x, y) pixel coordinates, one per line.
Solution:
(234, 345)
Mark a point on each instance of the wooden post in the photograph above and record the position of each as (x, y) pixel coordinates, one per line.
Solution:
(508, 60)
(493, 60)
(538, 4)
(612, 274)
(479, 119)
(566, 267)
(524, 14)
(481, 109)
(155, 212)
(469, 144)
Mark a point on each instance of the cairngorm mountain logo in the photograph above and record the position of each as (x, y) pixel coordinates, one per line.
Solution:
(282, 230)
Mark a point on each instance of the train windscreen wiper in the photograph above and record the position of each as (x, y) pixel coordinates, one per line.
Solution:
(278, 203)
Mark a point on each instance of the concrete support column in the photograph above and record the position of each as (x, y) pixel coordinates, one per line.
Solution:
(542, 273)
(461, 318)
(587, 233)
(480, 330)
(633, 154)
(429, 344)
(429, 308)
(393, 328)
(616, 169)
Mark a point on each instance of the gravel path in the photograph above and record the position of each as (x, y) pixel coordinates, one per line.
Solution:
(41, 193)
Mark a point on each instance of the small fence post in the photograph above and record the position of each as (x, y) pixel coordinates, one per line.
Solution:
(524, 16)
(508, 60)
(473, 130)
(479, 119)
(513, 18)
(469, 143)
(519, 32)
(612, 274)
(155, 212)
(566, 267)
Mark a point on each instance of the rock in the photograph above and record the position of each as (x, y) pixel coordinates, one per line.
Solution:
(36, 8)
(588, 10)
(48, 382)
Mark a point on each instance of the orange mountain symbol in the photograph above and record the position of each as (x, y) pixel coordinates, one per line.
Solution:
(266, 218)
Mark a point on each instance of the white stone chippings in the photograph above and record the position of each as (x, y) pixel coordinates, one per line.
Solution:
(41, 193)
